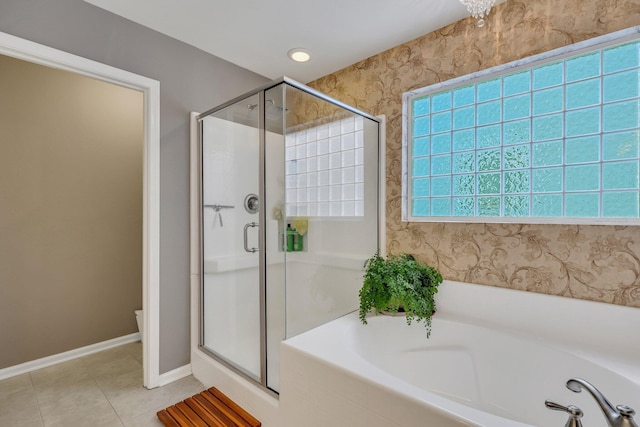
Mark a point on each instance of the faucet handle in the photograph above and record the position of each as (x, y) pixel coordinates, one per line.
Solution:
(574, 412)
(626, 411)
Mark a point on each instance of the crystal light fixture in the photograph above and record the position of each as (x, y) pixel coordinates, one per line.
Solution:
(478, 9)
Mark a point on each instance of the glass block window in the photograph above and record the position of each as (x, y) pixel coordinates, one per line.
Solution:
(325, 169)
(555, 139)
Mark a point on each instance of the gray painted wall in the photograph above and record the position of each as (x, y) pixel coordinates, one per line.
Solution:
(190, 80)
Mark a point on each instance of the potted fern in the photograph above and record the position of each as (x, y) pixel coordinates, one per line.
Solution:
(399, 283)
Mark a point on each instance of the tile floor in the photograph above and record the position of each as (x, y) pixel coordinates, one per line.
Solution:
(100, 390)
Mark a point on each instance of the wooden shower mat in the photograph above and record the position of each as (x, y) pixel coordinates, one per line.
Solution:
(211, 408)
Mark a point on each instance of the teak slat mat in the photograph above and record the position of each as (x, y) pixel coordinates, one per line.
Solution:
(211, 408)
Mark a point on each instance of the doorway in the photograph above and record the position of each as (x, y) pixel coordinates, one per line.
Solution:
(17, 48)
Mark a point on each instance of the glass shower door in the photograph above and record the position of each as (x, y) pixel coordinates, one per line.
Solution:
(230, 225)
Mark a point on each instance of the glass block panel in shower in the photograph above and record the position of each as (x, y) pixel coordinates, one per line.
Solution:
(335, 177)
(335, 160)
(488, 136)
(488, 160)
(489, 183)
(620, 116)
(464, 162)
(441, 101)
(516, 182)
(348, 175)
(360, 173)
(301, 180)
(441, 122)
(464, 140)
(464, 185)
(547, 153)
(517, 132)
(489, 112)
(463, 206)
(547, 127)
(548, 101)
(359, 156)
(421, 166)
(359, 137)
(421, 146)
(489, 90)
(618, 204)
(583, 66)
(547, 180)
(441, 165)
(488, 206)
(516, 205)
(347, 125)
(421, 106)
(464, 118)
(312, 194)
(441, 207)
(335, 144)
(348, 158)
(421, 207)
(516, 157)
(548, 75)
(620, 175)
(335, 194)
(421, 187)
(621, 57)
(312, 149)
(546, 205)
(583, 94)
(582, 150)
(582, 205)
(323, 146)
(323, 194)
(348, 192)
(464, 96)
(348, 208)
(441, 186)
(621, 145)
(323, 162)
(620, 86)
(514, 84)
(581, 178)
(582, 122)
(441, 143)
(517, 107)
(421, 126)
(348, 142)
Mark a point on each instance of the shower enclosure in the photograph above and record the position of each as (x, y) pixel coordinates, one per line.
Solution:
(289, 214)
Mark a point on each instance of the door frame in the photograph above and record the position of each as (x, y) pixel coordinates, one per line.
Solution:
(40, 54)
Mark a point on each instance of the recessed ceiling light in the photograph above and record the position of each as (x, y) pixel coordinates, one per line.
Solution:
(299, 55)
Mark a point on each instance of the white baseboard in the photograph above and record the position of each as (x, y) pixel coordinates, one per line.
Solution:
(44, 362)
(175, 375)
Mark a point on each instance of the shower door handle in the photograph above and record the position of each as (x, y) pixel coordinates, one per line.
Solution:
(246, 238)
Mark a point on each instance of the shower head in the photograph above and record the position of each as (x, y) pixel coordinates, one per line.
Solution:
(268, 103)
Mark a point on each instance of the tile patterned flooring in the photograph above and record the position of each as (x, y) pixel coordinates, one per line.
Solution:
(100, 390)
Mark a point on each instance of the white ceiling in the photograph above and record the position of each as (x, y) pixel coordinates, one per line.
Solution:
(257, 34)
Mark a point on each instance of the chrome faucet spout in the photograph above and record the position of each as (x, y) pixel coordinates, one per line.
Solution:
(620, 416)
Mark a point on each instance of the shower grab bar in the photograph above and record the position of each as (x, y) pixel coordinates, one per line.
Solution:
(246, 238)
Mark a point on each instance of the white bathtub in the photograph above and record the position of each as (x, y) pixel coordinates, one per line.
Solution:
(493, 358)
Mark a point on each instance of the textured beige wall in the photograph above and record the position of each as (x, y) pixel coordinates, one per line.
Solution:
(70, 210)
(600, 263)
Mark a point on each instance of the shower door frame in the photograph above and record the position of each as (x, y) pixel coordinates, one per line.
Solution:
(198, 184)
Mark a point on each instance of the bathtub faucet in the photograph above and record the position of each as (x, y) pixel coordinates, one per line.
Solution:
(620, 416)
